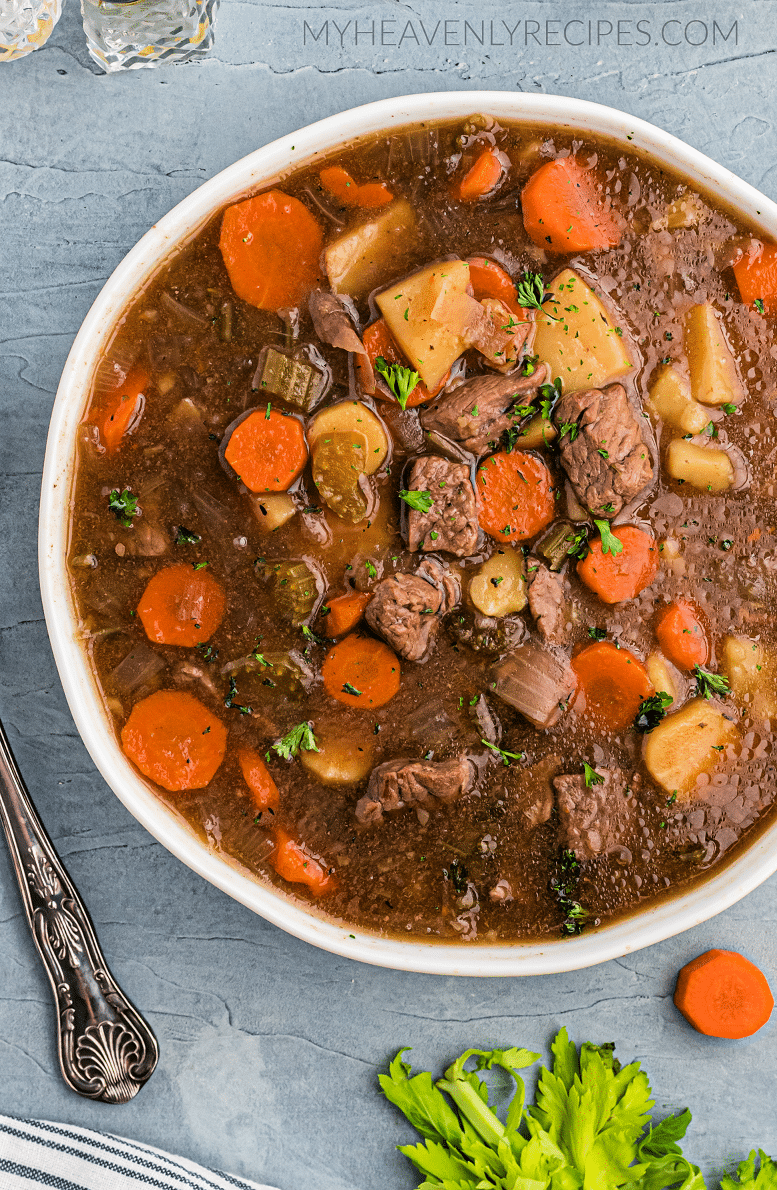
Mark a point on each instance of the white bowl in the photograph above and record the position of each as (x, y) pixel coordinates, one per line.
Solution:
(651, 924)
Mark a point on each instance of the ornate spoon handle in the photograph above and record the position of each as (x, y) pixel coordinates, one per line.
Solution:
(106, 1049)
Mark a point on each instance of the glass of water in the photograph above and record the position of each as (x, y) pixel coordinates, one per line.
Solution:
(129, 34)
(25, 25)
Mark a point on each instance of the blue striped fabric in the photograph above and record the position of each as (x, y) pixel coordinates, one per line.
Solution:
(35, 1153)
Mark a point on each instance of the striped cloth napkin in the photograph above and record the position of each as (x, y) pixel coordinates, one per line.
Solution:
(35, 1153)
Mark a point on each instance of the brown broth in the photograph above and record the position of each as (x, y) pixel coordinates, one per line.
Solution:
(397, 877)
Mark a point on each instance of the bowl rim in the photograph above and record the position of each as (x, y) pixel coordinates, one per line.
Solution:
(260, 168)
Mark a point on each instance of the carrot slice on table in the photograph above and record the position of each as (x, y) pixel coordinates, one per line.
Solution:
(294, 863)
(564, 209)
(267, 450)
(481, 178)
(345, 612)
(369, 196)
(489, 280)
(182, 606)
(378, 340)
(723, 994)
(264, 791)
(614, 683)
(174, 740)
(271, 246)
(681, 635)
(614, 577)
(756, 276)
(123, 409)
(515, 494)
(361, 672)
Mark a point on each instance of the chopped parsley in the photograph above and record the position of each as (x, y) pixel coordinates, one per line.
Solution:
(564, 886)
(652, 710)
(506, 756)
(568, 427)
(728, 407)
(400, 380)
(759, 305)
(457, 874)
(186, 537)
(532, 293)
(420, 501)
(309, 634)
(371, 571)
(230, 702)
(300, 737)
(597, 633)
(591, 776)
(610, 543)
(124, 506)
(708, 684)
(348, 688)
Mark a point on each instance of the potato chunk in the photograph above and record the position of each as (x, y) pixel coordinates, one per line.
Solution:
(661, 675)
(752, 674)
(499, 587)
(579, 343)
(368, 255)
(272, 510)
(341, 759)
(685, 745)
(430, 346)
(705, 467)
(714, 379)
(670, 399)
(352, 417)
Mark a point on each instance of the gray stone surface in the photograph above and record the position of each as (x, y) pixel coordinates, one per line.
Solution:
(270, 1048)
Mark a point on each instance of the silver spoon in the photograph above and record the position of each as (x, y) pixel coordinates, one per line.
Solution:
(106, 1049)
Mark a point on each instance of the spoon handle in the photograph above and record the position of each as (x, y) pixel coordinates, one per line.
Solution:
(106, 1049)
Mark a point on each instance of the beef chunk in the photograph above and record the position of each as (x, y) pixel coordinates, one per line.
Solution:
(546, 601)
(332, 323)
(478, 411)
(593, 819)
(419, 783)
(405, 609)
(536, 682)
(606, 459)
(451, 524)
(533, 790)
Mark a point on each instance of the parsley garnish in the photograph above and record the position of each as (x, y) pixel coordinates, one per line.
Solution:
(610, 543)
(597, 633)
(186, 537)
(652, 710)
(569, 427)
(591, 776)
(124, 506)
(565, 887)
(759, 305)
(229, 701)
(529, 365)
(420, 501)
(458, 876)
(371, 571)
(708, 684)
(401, 380)
(349, 689)
(728, 407)
(309, 634)
(532, 293)
(506, 756)
(300, 737)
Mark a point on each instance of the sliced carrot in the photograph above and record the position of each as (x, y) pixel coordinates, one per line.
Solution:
(614, 577)
(264, 791)
(564, 209)
(174, 740)
(361, 672)
(756, 276)
(182, 606)
(515, 495)
(489, 280)
(369, 195)
(271, 246)
(481, 178)
(681, 635)
(614, 683)
(345, 612)
(123, 409)
(267, 450)
(378, 340)
(293, 862)
(723, 994)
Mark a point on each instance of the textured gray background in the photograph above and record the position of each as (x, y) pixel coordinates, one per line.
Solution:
(270, 1048)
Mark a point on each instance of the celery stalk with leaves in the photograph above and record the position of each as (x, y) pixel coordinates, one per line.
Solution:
(589, 1128)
